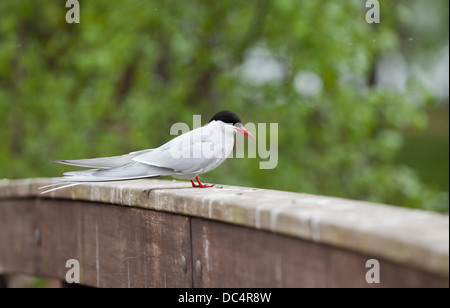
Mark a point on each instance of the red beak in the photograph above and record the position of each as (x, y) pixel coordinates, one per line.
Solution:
(245, 132)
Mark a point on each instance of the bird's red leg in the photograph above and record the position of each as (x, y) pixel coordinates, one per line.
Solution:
(193, 184)
(200, 185)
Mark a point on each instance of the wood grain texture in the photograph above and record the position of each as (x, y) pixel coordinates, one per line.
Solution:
(414, 238)
(232, 256)
(119, 246)
(116, 246)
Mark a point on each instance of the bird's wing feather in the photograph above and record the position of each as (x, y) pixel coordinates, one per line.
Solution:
(103, 162)
(180, 164)
(192, 152)
(133, 170)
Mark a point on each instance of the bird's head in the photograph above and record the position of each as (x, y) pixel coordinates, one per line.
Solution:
(231, 118)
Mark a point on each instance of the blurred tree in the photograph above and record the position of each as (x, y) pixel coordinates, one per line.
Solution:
(117, 81)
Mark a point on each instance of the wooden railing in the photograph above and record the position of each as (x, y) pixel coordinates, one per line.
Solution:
(157, 233)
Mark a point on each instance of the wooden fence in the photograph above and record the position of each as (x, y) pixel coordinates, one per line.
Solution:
(157, 233)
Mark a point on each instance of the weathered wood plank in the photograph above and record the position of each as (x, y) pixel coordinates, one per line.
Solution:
(414, 238)
(232, 256)
(116, 246)
(240, 236)
(3, 282)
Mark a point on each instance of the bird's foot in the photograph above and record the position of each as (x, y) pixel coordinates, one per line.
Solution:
(200, 185)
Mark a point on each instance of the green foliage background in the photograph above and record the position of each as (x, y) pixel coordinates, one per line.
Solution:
(117, 81)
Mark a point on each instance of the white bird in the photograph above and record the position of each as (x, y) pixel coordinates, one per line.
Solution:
(184, 157)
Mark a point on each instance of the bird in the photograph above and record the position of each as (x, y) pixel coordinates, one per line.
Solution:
(184, 157)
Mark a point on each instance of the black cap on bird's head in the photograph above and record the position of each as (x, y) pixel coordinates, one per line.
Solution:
(229, 117)
(226, 116)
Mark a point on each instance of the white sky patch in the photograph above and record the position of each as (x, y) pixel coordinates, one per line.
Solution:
(392, 72)
(438, 74)
(308, 84)
(261, 67)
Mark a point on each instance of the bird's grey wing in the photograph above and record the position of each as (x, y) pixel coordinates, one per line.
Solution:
(185, 153)
(189, 164)
(133, 170)
(103, 162)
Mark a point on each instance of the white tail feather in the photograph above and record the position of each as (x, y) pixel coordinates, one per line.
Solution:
(51, 185)
(57, 188)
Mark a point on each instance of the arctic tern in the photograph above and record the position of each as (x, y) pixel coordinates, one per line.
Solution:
(185, 157)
